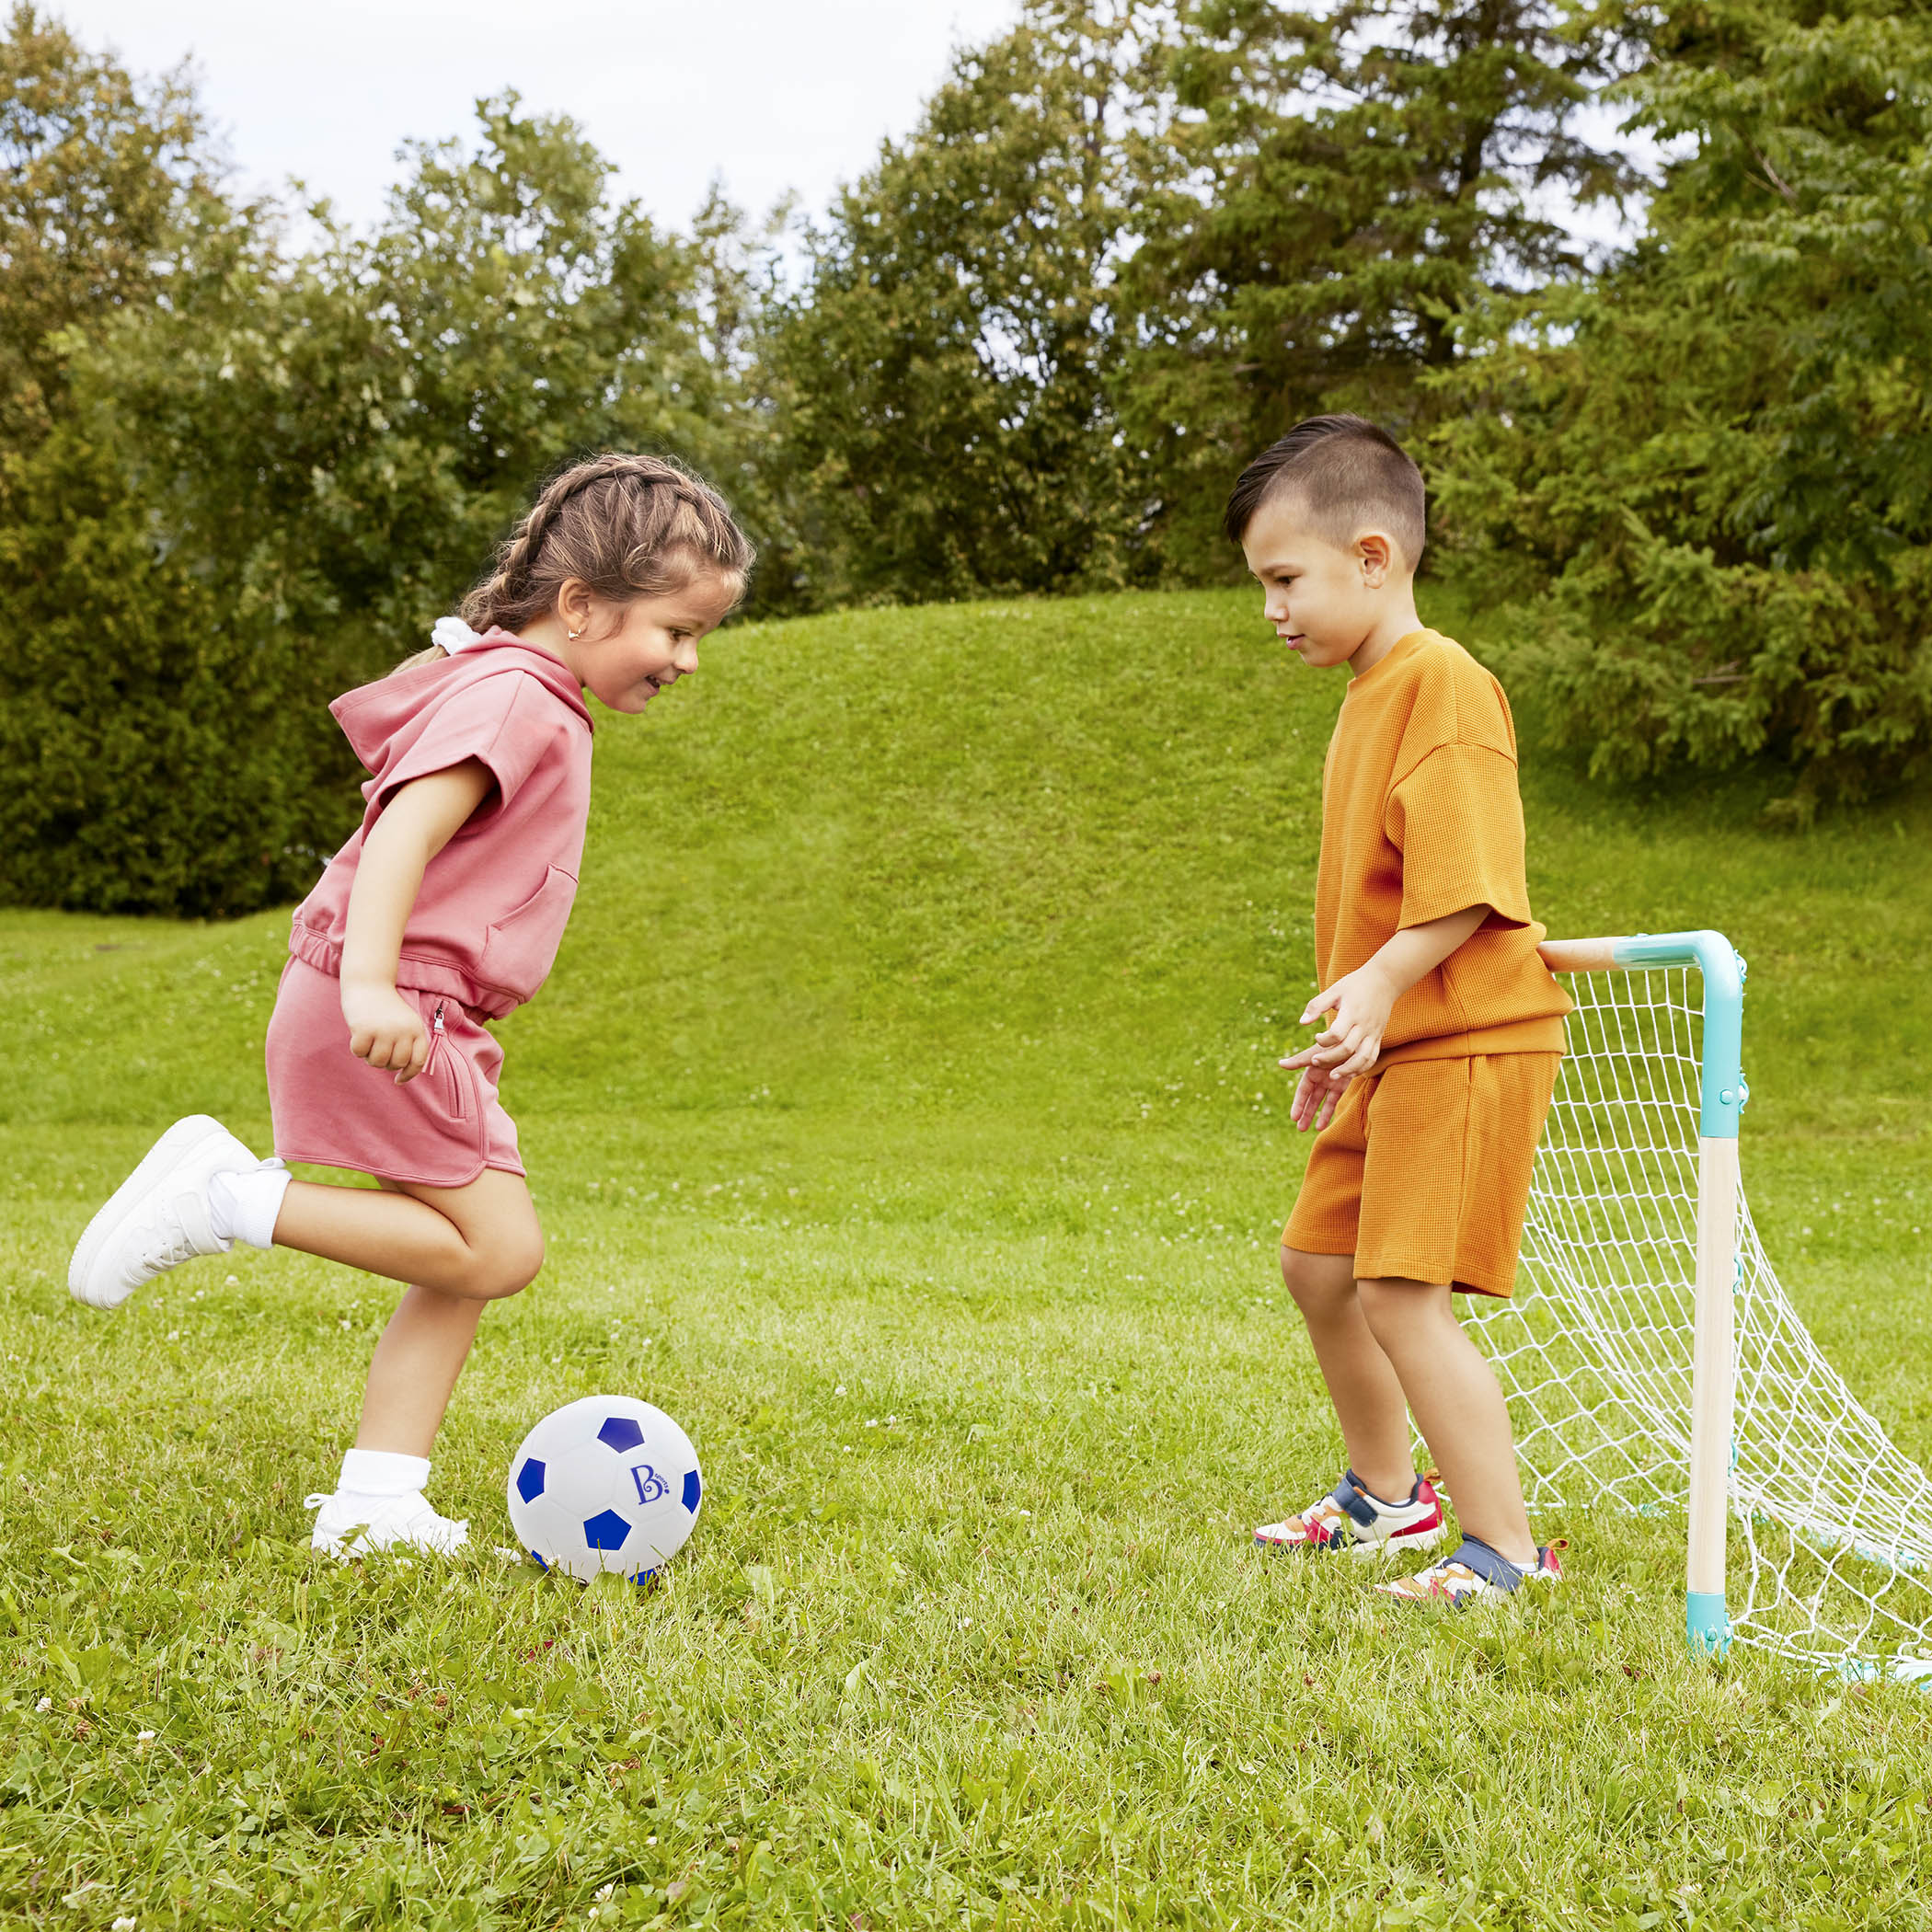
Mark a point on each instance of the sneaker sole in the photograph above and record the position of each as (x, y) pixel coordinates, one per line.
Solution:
(1367, 1552)
(346, 1549)
(100, 1233)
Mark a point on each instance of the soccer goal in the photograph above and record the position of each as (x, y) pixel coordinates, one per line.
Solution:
(1651, 1357)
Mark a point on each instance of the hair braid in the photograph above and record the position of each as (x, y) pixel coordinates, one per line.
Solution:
(626, 525)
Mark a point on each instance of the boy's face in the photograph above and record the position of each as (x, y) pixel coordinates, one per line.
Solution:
(1323, 598)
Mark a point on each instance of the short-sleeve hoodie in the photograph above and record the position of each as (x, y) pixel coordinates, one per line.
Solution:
(487, 923)
(1421, 818)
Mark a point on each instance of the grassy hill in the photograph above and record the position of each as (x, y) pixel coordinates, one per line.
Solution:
(903, 1116)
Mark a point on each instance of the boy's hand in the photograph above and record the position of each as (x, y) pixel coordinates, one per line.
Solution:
(386, 1030)
(1314, 1097)
(1361, 1002)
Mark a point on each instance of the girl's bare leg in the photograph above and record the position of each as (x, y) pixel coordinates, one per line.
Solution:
(414, 1370)
(1362, 1384)
(1458, 1407)
(480, 1241)
(458, 1248)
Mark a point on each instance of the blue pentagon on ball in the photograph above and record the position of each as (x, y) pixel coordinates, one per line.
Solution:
(605, 1530)
(530, 1479)
(694, 1489)
(620, 1433)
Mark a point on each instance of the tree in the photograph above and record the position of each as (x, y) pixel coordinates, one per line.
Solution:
(104, 183)
(1723, 455)
(1331, 191)
(264, 483)
(941, 380)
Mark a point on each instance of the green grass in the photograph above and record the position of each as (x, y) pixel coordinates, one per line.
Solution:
(901, 1114)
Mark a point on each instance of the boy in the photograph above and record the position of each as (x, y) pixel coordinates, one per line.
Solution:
(1429, 1086)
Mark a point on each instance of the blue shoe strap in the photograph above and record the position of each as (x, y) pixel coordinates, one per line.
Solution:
(1349, 1480)
(1490, 1564)
(1353, 1499)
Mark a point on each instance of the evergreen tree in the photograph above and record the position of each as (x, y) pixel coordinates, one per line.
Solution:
(1721, 458)
(1331, 191)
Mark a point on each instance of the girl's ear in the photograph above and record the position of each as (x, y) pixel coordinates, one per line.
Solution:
(573, 605)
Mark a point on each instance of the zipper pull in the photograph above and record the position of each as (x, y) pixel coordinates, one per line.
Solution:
(436, 1019)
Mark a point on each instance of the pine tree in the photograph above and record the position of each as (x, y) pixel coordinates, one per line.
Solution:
(1719, 458)
(1331, 191)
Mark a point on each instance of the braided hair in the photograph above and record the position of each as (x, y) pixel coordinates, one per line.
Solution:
(627, 526)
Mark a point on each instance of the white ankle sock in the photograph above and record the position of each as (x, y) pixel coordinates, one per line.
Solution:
(1383, 1503)
(374, 1477)
(244, 1203)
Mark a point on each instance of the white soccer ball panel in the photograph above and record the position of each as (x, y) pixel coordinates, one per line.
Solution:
(537, 1526)
(605, 1483)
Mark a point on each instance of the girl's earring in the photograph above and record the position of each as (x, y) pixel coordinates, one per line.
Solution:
(574, 635)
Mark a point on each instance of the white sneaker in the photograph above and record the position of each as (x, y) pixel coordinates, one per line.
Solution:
(401, 1522)
(160, 1216)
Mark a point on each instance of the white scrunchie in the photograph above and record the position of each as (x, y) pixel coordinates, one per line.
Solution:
(453, 634)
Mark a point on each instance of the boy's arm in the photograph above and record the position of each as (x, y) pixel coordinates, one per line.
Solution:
(417, 824)
(1361, 1002)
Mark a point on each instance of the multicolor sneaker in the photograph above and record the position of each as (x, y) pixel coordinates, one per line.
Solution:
(1473, 1573)
(1348, 1518)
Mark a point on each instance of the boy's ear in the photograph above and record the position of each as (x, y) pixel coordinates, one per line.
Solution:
(1376, 553)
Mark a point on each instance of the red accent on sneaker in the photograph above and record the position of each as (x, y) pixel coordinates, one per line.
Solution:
(1425, 1492)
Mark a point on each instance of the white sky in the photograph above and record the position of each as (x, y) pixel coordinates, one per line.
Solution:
(773, 95)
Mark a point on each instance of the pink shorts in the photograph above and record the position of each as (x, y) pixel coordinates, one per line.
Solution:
(330, 1109)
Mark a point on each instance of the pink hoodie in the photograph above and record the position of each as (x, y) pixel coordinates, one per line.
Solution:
(494, 902)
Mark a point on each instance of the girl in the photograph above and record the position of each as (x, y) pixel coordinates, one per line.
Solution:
(443, 912)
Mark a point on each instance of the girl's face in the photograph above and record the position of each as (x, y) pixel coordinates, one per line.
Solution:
(626, 653)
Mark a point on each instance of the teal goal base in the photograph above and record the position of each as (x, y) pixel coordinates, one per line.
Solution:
(1707, 1622)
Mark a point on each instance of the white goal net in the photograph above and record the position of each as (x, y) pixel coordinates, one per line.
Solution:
(1829, 1557)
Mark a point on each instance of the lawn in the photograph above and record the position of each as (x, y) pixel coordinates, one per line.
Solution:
(903, 1120)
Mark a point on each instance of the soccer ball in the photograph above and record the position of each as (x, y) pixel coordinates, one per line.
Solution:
(606, 1483)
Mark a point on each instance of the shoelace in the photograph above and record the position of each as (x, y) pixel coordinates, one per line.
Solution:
(170, 1243)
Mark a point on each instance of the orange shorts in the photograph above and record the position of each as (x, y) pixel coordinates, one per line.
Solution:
(1424, 1173)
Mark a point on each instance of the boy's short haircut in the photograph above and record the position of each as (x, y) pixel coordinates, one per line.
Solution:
(1349, 474)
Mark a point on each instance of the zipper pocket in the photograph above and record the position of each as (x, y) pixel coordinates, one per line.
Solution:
(455, 1076)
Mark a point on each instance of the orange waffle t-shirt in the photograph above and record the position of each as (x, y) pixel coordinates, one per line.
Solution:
(1421, 818)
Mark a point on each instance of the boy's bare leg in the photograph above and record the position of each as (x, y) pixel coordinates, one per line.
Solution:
(1458, 1407)
(1362, 1383)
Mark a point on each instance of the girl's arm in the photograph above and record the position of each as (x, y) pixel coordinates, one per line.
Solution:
(417, 824)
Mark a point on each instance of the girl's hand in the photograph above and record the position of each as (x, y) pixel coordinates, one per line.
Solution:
(1361, 1002)
(386, 1030)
